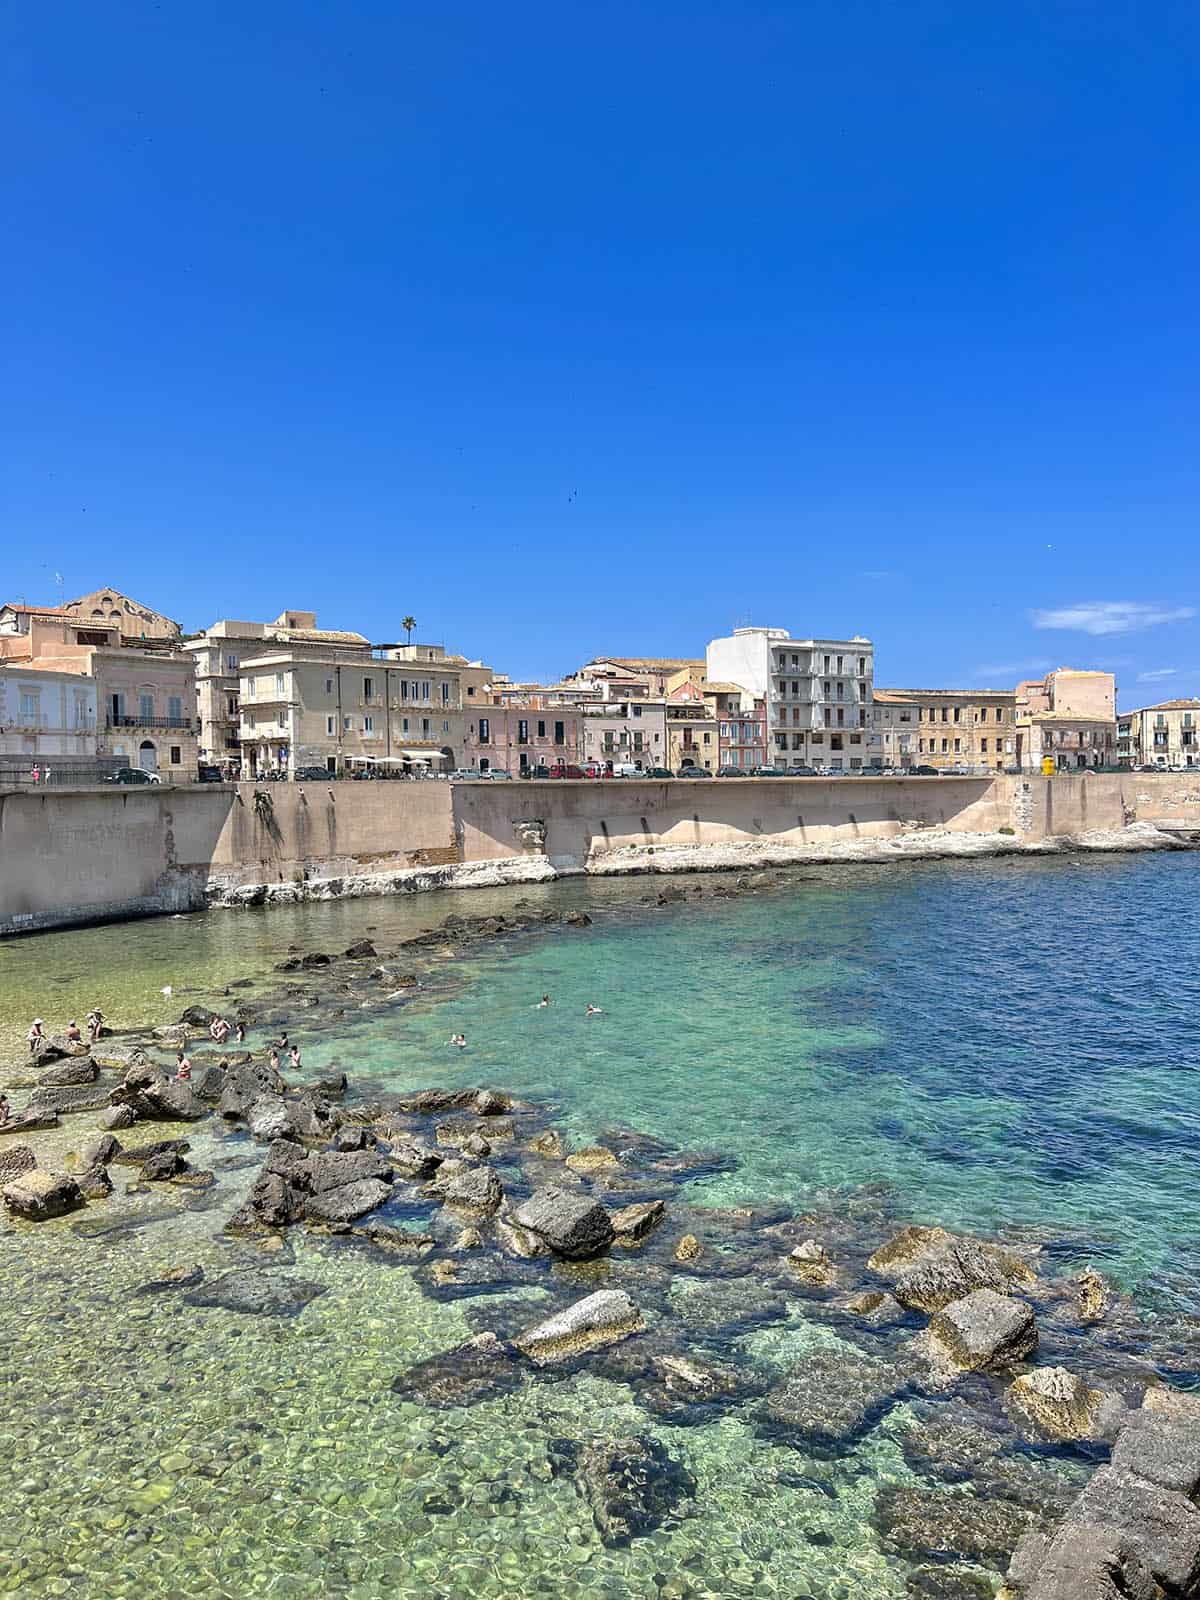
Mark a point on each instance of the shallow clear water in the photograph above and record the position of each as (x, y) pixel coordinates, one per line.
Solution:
(1000, 1043)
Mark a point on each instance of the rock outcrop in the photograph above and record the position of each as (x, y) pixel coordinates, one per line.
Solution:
(600, 1319)
(37, 1195)
(571, 1224)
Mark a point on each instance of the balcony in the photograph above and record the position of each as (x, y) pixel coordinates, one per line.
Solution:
(180, 724)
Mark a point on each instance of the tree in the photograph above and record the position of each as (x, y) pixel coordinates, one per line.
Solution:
(408, 624)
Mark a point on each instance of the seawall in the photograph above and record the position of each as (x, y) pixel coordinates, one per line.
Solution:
(75, 856)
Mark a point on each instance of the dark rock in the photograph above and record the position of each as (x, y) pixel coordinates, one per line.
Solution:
(197, 1017)
(1083, 1561)
(30, 1121)
(1161, 1525)
(271, 1204)
(948, 1583)
(489, 1104)
(930, 1267)
(924, 1523)
(395, 1241)
(348, 1201)
(830, 1397)
(352, 1138)
(208, 1083)
(1164, 1450)
(477, 1190)
(246, 1083)
(100, 1151)
(413, 1160)
(262, 1293)
(133, 1155)
(573, 1225)
(164, 1166)
(73, 1070)
(94, 1183)
(116, 1118)
(953, 1448)
(38, 1195)
(577, 919)
(722, 1308)
(983, 1329)
(688, 1389)
(284, 1157)
(15, 1159)
(69, 1098)
(270, 1118)
(118, 1057)
(632, 1223)
(331, 1083)
(325, 1170)
(157, 1098)
(632, 1485)
(360, 949)
(480, 1369)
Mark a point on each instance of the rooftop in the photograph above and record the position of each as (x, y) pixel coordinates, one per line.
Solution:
(956, 694)
(1165, 705)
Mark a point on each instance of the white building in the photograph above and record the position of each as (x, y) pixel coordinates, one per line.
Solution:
(818, 693)
(44, 713)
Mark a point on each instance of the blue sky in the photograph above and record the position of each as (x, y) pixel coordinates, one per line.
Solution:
(603, 327)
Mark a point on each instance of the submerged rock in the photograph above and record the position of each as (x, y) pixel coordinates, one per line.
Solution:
(810, 1263)
(631, 1484)
(477, 1190)
(573, 1225)
(830, 1397)
(919, 1522)
(687, 1389)
(595, 1158)
(480, 1369)
(688, 1249)
(37, 1195)
(261, 1293)
(599, 1319)
(929, 1267)
(725, 1307)
(15, 1160)
(173, 1280)
(1052, 1403)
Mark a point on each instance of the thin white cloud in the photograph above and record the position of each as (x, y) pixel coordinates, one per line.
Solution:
(1159, 672)
(1110, 616)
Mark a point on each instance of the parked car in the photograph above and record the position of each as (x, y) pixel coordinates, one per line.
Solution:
(801, 771)
(313, 775)
(923, 772)
(566, 769)
(497, 775)
(769, 772)
(625, 769)
(694, 772)
(463, 774)
(659, 772)
(132, 775)
(207, 774)
(539, 771)
(731, 772)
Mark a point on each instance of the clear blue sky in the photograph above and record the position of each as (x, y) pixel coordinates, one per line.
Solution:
(602, 327)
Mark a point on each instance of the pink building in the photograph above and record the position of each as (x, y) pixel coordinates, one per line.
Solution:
(517, 738)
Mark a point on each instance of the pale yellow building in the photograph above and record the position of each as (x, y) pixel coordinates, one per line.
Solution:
(219, 652)
(1068, 717)
(972, 730)
(1166, 735)
(134, 620)
(345, 711)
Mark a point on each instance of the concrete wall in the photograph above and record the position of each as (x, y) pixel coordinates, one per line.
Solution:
(71, 856)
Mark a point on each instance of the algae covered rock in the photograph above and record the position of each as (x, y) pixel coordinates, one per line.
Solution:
(830, 1397)
(37, 1195)
(595, 1158)
(573, 1225)
(632, 1484)
(929, 1267)
(923, 1523)
(983, 1329)
(480, 1369)
(1052, 1403)
(632, 1223)
(810, 1263)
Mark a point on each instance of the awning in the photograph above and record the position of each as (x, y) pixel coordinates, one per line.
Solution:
(361, 758)
(417, 755)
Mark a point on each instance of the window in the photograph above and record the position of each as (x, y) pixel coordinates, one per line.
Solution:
(862, 666)
(279, 683)
(176, 755)
(368, 688)
(920, 747)
(839, 665)
(248, 688)
(958, 713)
(983, 746)
(560, 733)
(231, 663)
(328, 685)
(231, 705)
(283, 716)
(29, 707)
(470, 691)
(825, 688)
(404, 688)
(425, 690)
(828, 716)
(146, 706)
(445, 727)
(404, 724)
(945, 745)
(368, 724)
(826, 663)
(945, 714)
(841, 718)
(346, 724)
(707, 737)
(999, 713)
(175, 708)
(485, 730)
(541, 730)
(957, 746)
(426, 727)
(522, 732)
(329, 722)
(445, 694)
(637, 711)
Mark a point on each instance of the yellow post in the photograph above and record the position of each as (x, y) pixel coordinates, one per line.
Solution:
(1047, 766)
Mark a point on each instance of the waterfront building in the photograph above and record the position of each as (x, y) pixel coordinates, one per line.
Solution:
(693, 738)
(894, 722)
(1165, 735)
(219, 652)
(46, 714)
(640, 676)
(134, 620)
(521, 733)
(632, 731)
(741, 725)
(961, 728)
(145, 690)
(1069, 716)
(817, 693)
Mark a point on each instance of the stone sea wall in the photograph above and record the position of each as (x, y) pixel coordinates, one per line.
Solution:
(76, 856)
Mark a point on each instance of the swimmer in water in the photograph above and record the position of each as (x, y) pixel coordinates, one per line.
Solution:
(294, 1055)
(594, 1011)
(459, 1040)
(542, 1003)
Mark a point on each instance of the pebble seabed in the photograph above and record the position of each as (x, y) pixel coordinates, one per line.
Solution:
(195, 1409)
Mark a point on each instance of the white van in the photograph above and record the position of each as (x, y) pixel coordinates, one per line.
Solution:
(626, 769)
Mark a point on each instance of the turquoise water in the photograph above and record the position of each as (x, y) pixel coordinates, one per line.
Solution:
(995, 1045)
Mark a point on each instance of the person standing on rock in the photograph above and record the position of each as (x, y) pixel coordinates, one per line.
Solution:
(35, 1035)
(183, 1068)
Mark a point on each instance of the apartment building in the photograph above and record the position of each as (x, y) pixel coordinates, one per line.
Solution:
(817, 693)
(44, 714)
(521, 736)
(347, 710)
(219, 652)
(134, 620)
(972, 728)
(631, 730)
(894, 730)
(145, 690)
(693, 738)
(741, 725)
(1165, 735)
(1068, 717)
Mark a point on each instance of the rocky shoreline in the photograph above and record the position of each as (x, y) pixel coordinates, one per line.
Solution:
(1051, 1436)
(924, 844)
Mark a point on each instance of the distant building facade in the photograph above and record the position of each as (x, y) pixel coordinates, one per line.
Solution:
(133, 619)
(972, 728)
(45, 714)
(1165, 735)
(818, 693)
(520, 736)
(894, 722)
(1068, 717)
(632, 731)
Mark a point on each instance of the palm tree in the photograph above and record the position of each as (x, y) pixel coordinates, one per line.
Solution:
(408, 624)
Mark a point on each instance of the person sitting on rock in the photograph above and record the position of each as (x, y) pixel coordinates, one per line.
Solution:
(35, 1035)
(183, 1068)
(73, 1033)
